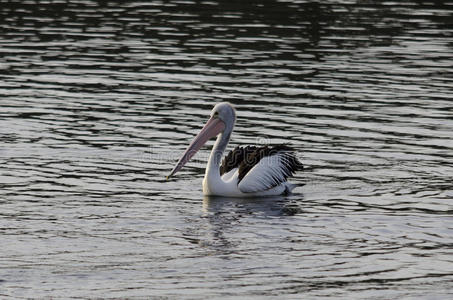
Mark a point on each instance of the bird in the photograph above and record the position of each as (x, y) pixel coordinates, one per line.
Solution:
(248, 171)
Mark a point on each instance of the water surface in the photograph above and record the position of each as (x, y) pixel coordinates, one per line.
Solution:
(99, 99)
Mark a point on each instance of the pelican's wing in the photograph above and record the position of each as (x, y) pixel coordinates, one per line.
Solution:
(234, 158)
(266, 168)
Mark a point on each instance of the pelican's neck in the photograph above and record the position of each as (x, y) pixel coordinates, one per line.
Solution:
(213, 168)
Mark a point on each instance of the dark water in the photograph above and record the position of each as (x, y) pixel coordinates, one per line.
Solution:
(98, 100)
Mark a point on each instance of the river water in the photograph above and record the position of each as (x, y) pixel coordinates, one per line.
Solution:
(98, 100)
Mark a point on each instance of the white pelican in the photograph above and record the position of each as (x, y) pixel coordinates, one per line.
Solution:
(246, 171)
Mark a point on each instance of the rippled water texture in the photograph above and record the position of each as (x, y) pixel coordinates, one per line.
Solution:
(98, 100)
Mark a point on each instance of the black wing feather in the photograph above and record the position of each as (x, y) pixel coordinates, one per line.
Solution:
(292, 164)
(235, 158)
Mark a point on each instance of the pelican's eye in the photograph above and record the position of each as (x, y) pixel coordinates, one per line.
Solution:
(216, 114)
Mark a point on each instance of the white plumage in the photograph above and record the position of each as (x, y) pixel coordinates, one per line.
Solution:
(269, 172)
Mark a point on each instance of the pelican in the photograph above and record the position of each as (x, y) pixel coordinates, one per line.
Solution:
(246, 171)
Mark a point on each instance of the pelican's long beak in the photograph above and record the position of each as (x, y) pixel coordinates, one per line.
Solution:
(212, 128)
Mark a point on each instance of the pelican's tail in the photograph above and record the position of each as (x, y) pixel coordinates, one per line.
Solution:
(289, 187)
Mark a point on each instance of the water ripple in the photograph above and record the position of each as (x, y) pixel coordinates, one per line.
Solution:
(99, 99)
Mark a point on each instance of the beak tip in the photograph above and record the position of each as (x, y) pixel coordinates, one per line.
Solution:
(167, 177)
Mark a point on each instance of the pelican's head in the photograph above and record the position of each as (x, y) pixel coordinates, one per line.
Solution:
(222, 119)
(226, 113)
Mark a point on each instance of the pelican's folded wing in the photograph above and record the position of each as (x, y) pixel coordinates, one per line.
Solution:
(273, 168)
